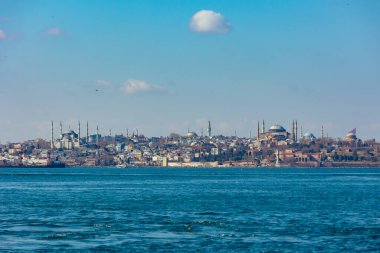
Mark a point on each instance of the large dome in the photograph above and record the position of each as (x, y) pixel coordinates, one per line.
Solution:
(351, 136)
(309, 136)
(191, 134)
(276, 129)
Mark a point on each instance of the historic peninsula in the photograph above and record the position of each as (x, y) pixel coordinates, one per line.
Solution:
(275, 147)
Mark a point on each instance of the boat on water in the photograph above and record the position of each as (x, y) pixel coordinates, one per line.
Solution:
(121, 166)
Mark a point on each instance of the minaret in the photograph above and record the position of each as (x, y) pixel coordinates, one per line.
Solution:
(250, 134)
(258, 130)
(52, 135)
(97, 135)
(87, 138)
(322, 133)
(60, 123)
(301, 133)
(296, 131)
(293, 132)
(209, 129)
(263, 127)
(79, 132)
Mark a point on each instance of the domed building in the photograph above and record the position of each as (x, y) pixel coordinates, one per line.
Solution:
(309, 136)
(70, 135)
(191, 134)
(275, 133)
(68, 140)
(277, 129)
(351, 135)
(278, 132)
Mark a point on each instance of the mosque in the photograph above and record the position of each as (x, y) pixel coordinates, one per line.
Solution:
(351, 135)
(309, 136)
(276, 133)
(191, 134)
(72, 139)
(68, 140)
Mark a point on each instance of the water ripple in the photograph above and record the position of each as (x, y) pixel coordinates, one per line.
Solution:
(113, 210)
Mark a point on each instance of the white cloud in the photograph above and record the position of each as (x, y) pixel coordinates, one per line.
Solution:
(207, 21)
(55, 31)
(3, 35)
(132, 86)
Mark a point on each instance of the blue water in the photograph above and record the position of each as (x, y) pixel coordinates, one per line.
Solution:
(186, 210)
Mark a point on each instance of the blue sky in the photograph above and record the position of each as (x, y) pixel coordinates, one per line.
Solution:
(166, 66)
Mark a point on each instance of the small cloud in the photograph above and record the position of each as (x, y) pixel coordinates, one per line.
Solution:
(55, 31)
(207, 21)
(132, 86)
(3, 35)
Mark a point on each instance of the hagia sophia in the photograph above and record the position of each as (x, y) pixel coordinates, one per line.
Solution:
(278, 135)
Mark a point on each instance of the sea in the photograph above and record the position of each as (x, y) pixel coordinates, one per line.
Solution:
(189, 210)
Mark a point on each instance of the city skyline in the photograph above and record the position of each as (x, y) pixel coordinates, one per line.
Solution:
(58, 129)
(169, 66)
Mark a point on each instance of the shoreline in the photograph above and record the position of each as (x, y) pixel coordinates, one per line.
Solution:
(184, 167)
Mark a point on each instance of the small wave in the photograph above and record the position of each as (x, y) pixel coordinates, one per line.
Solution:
(57, 236)
(208, 213)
